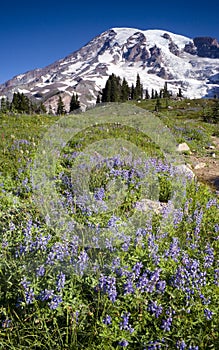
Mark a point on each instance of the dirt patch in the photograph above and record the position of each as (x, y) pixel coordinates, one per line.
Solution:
(210, 172)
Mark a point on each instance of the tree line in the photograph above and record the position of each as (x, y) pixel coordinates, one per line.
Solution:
(20, 103)
(118, 90)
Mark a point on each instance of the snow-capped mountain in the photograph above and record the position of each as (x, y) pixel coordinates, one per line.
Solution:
(157, 56)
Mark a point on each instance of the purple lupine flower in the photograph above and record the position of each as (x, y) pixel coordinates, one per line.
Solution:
(107, 320)
(29, 296)
(191, 347)
(174, 249)
(209, 257)
(147, 282)
(216, 277)
(82, 262)
(154, 345)
(181, 345)
(6, 323)
(211, 203)
(166, 324)
(123, 343)
(46, 294)
(124, 324)
(204, 300)
(40, 271)
(60, 281)
(198, 215)
(137, 269)
(155, 309)
(178, 216)
(161, 286)
(11, 226)
(115, 263)
(99, 194)
(54, 303)
(208, 314)
(28, 291)
(108, 285)
(128, 286)
(125, 245)
(112, 221)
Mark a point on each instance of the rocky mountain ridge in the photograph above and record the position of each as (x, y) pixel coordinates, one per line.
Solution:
(156, 55)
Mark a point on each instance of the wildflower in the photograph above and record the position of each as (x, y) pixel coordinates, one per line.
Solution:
(40, 271)
(137, 269)
(46, 294)
(60, 281)
(82, 262)
(128, 287)
(107, 320)
(123, 343)
(181, 345)
(54, 303)
(155, 309)
(166, 324)
(216, 277)
(208, 314)
(209, 257)
(108, 285)
(124, 324)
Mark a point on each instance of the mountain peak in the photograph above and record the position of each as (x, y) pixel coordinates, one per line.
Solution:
(156, 55)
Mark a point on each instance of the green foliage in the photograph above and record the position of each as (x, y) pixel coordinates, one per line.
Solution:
(171, 265)
(74, 103)
(60, 107)
(211, 115)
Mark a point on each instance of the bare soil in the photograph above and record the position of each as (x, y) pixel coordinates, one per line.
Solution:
(210, 173)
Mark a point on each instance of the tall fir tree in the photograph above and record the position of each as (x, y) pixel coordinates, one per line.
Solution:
(98, 99)
(138, 89)
(132, 92)
(147, 96)
(60, 107)
(20, 103)
(125, 91)
(74, 103)
(3, 105)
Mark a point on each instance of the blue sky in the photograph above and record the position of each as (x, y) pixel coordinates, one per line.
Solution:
(34, 34)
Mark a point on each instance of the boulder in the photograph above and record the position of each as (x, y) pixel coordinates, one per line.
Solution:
(183, 147)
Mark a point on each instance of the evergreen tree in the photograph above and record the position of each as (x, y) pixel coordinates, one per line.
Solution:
(60, 107)
(112, 90)
(180, 93)
(3, 105)
(152, 94)
(166, 93)
(107, 91)
(158, 105)
(125, 91)
(132, 92)
(147, 96)
(8, 105)
(115, 89)
(98, 99)
(138, 89)
(74, 103)
(20, 103)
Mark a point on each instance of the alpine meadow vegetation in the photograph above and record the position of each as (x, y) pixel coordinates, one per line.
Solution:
(147, 284)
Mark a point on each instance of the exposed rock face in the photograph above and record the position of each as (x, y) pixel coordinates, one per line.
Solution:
(136, 50)
(172, 46)
(207, 47)
(190, 48)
